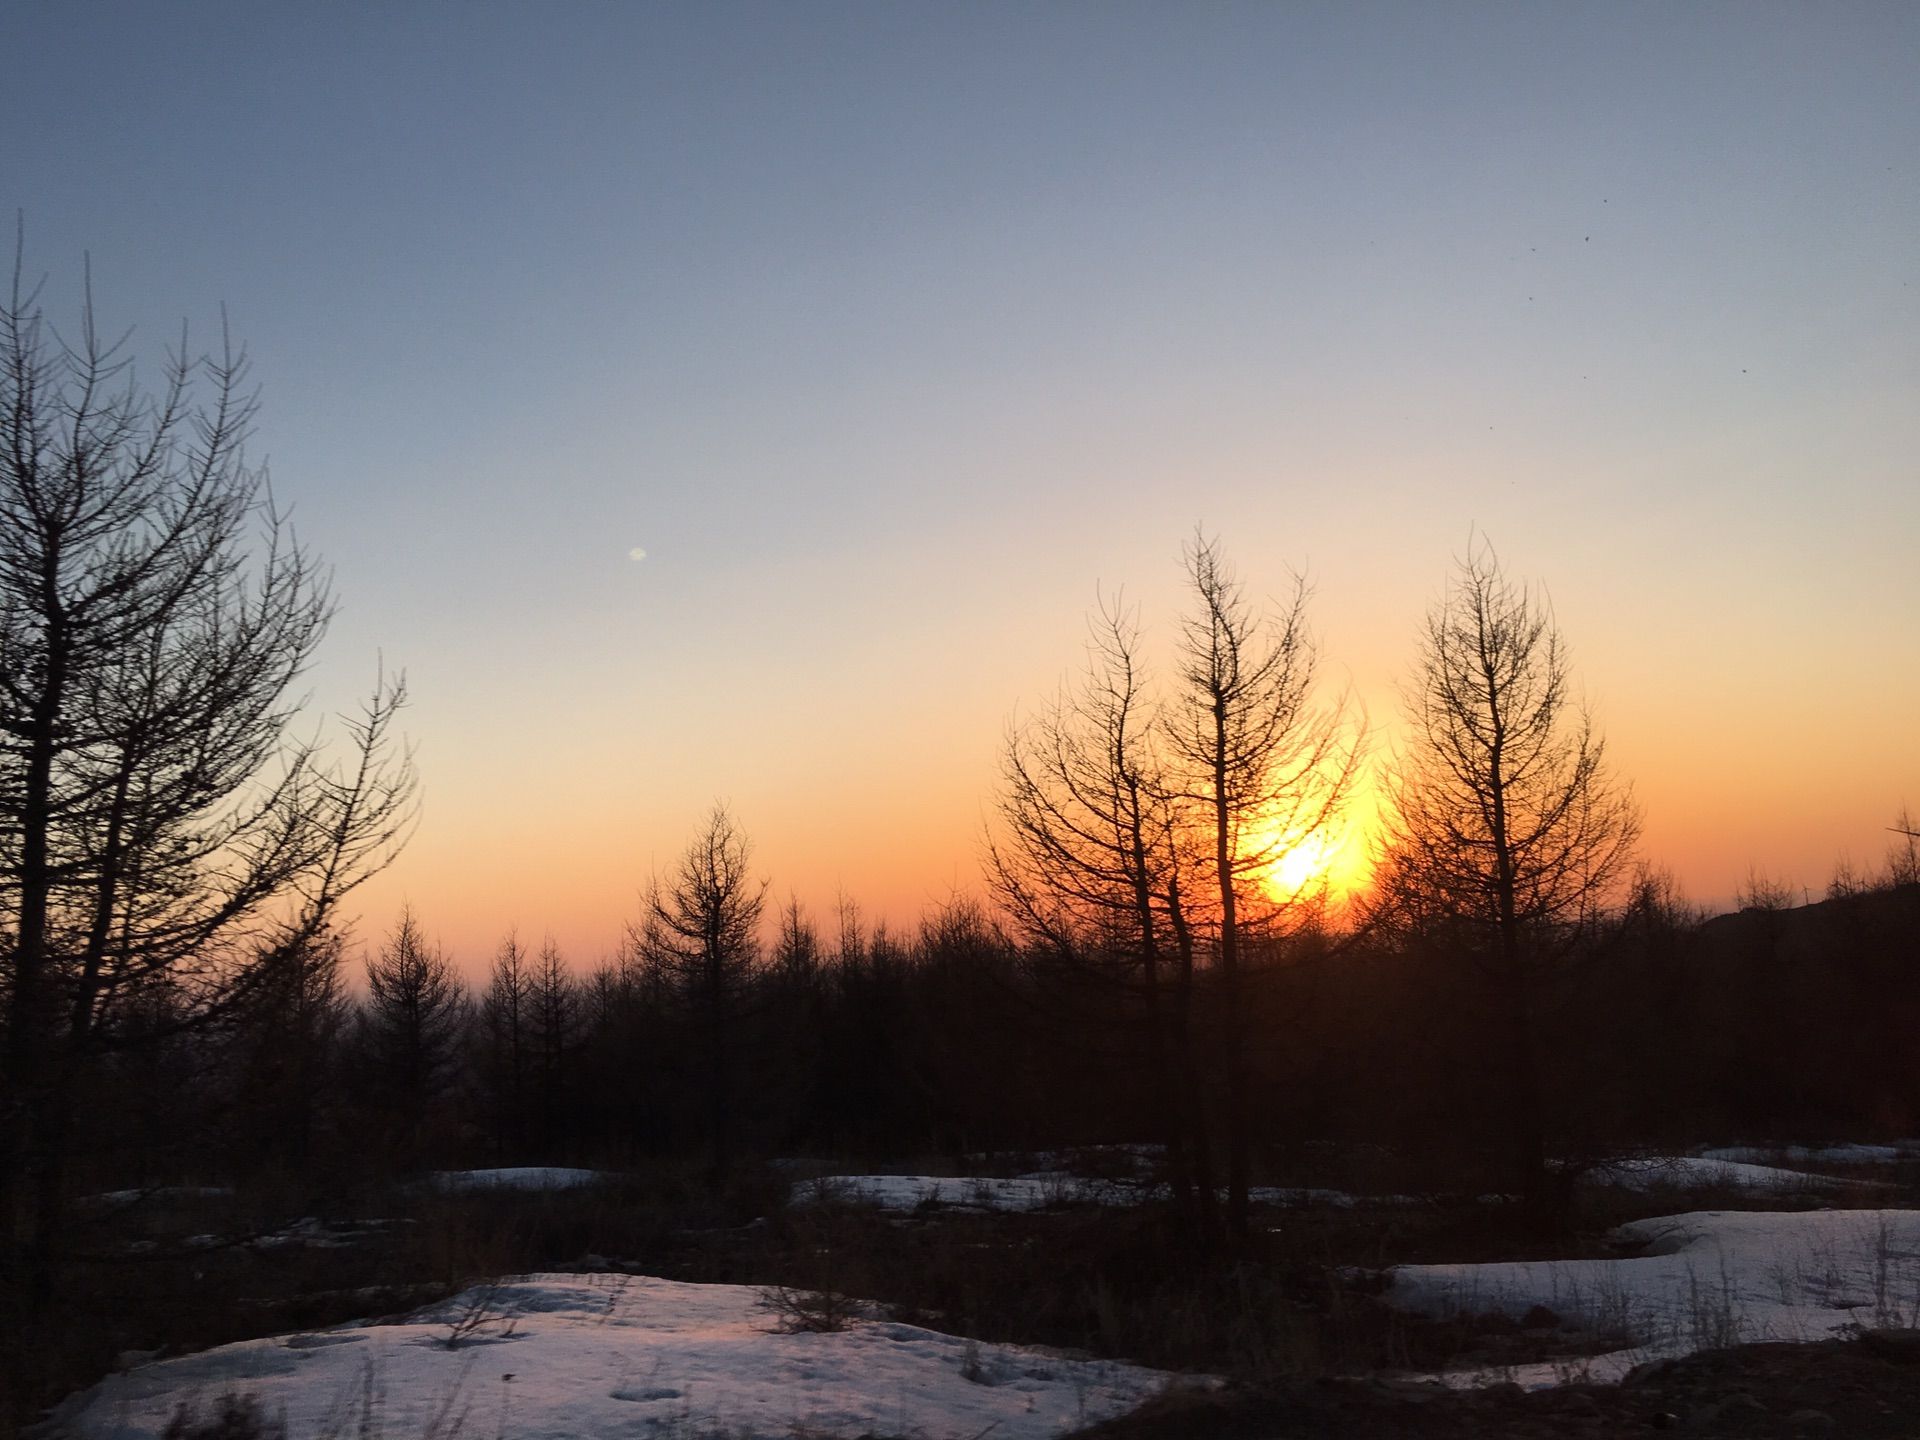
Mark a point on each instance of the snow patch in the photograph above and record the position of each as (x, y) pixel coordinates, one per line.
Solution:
(969, 1192)
(1695, 1172)
(623, 1355)
(1703, 1280)
(1040, 1191)
(1816, 1154)
(517, 1177)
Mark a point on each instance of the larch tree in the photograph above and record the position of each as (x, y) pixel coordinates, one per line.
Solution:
(1505, 833)
(413, 1024)
(553, 1006)
(1265, 769)
(1087, 863)
(165, 829)
(289, 1033)
(505, 1023)
(699, 930)
(797, 951)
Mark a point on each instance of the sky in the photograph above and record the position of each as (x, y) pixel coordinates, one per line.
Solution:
(748, 402)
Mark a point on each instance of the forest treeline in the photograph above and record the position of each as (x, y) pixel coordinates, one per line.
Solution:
(1664, 1028)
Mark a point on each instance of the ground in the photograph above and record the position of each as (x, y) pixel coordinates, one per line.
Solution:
(1387, 1288)
(1860, 1389)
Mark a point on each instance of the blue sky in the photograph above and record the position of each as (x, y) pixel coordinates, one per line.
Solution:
(889, 332)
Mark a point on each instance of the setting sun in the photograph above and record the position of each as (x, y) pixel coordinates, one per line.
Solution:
(1303, 867)
(1327, 860)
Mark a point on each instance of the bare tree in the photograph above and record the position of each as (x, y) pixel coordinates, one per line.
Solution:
(699, 928)
(1268, 771)
(163, 827)
(1506, 835)
(1088, 864)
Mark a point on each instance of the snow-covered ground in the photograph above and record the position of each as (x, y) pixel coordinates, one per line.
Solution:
(1043, 1189)
(977, 1192)
(1038, 1191)
(1707, 1279)
(517, 1177)
(556, 1357)
(121, 1199)
(1818, 1154)
(1715, 1170)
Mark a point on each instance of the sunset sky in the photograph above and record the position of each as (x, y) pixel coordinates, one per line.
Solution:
(886, 337)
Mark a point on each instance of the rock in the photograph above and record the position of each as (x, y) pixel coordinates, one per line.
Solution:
(1816, 1420)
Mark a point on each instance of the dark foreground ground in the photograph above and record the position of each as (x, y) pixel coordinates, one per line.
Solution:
(1864, 1389)
(198, 1269)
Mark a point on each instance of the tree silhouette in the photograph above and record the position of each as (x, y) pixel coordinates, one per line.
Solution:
(164, 830)
(413, 1024)
(289, 1033)
(1143, 837)
(505, 1023)
(553, 1014)
(1088, 863)
(699, 930)
(1505, 834)
(1266, 771)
